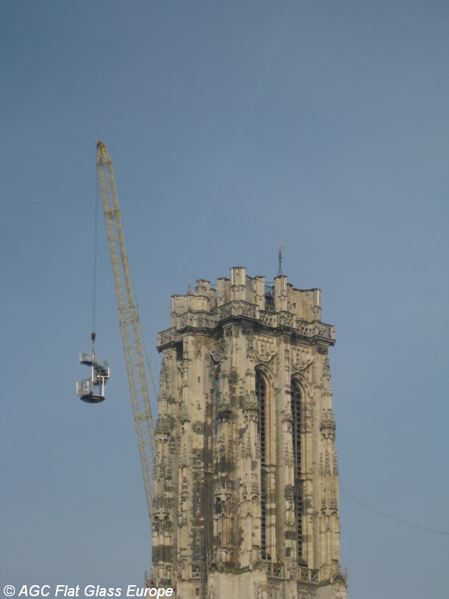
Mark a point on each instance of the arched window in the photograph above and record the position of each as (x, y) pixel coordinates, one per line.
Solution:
(296, 439)
(261, 392)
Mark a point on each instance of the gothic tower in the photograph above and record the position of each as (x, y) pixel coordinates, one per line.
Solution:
(246, 476)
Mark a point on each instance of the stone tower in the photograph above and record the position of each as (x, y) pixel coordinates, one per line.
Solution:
(246, 476)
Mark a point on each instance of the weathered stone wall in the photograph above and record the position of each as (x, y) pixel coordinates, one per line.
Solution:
(210, 483)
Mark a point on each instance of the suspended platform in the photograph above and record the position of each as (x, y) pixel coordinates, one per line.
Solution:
(91, 390)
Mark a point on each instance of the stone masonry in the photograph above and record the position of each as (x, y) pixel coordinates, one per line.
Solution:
(246, 476)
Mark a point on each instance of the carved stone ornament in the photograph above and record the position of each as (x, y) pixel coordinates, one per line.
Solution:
(266, 348)
(327, 425)
(301, 359)
(219, 352)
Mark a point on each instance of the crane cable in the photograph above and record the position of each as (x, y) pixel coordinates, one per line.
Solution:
(94, 266)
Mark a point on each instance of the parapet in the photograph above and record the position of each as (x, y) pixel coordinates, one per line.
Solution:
(275, 304)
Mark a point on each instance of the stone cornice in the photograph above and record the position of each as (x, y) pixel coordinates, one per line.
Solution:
(239, 310)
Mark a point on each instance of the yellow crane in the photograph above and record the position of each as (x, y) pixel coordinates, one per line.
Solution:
(130, 328)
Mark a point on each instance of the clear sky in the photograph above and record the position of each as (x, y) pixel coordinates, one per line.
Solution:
(234, 127)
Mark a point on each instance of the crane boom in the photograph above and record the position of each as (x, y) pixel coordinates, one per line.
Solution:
(130, 328)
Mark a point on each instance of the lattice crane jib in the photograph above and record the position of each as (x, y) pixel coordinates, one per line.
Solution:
(130, 328)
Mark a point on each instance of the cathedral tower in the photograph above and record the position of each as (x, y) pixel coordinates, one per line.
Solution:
(246, 476)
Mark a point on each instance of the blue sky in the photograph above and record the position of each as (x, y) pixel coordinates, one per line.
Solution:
(234, 127)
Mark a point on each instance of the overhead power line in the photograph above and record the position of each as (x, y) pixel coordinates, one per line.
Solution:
(435, 531)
